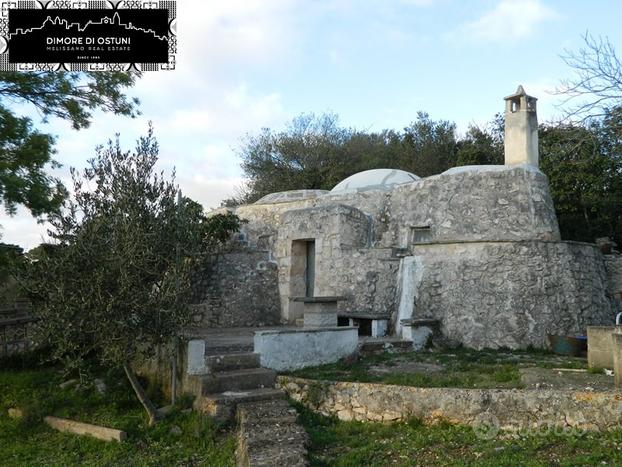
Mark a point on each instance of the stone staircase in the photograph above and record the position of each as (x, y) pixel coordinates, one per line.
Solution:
(235, 386)
(269, 435)
(233, 376)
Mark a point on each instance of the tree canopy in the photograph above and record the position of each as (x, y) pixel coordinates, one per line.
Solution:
(116, 283)
(315, 152)
(584, 167)
(26, 153)
(583, 161)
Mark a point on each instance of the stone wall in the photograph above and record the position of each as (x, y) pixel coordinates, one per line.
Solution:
(511, 294)
(481, 203)
(16, 328)
(236, 289)
(485, 242)
(344, 266)
(613, 265)
(486, 409)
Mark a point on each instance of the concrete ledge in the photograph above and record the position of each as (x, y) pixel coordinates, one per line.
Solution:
(301, 330)
(600, 348)
(507, 409)
(292, 349)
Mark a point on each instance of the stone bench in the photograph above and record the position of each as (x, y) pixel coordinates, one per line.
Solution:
(369, 324)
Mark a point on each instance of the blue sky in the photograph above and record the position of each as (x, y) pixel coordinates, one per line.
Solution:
(243, 65)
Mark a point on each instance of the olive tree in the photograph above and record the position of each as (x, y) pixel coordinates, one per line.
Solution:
(116, 284)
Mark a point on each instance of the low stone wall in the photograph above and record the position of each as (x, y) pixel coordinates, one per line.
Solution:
(292, 349)
(16, 328)
(507, 409)
(15, 336)
(156, 366)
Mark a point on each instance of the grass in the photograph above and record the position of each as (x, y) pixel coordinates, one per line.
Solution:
(461, 368)
(344, 444)
(28, 441)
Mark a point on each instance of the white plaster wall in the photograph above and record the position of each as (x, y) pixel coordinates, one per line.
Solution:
(290, 349)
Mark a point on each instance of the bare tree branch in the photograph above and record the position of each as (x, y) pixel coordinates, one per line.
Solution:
(596, 86)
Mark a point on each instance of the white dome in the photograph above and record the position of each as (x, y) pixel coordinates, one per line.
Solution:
(377, 179)
(288, 196)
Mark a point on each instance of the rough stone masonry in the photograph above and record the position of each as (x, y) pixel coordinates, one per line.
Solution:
(489, 262)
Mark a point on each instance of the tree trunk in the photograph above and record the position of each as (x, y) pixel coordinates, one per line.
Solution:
(141, 395)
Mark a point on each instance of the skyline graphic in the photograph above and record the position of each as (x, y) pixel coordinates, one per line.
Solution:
(115, 20)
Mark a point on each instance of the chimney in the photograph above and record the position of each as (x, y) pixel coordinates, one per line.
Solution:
(521, 129)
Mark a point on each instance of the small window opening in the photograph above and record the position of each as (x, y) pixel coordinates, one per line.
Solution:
(421, 234)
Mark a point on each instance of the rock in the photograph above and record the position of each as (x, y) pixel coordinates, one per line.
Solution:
(15, 413)
(100, 385)
(68, 383)
(175, 430)
(166, 410)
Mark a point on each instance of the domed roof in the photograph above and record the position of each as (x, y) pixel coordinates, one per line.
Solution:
(287, 196)
(377, 179)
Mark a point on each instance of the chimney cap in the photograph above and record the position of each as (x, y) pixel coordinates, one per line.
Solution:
(520, 92)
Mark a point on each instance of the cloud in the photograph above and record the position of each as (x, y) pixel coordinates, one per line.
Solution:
(510, 20)
(23, 230)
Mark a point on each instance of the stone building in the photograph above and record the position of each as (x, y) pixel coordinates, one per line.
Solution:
(477, 249)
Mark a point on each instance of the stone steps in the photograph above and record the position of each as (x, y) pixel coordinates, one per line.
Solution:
(231, 361)
(222, 406)
(269, 435)
(225, 349)
(237, 380)
(233, 376)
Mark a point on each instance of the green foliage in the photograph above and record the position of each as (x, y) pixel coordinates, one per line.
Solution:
(30, 442)
(11, 257)
(430, 146)
(583, 161)
(302, 156)
(217, 229)
(461, 368)
(114, 284)
(482, 146)
(25, 153)
(351, 444)
(314, 152)
(584, 167)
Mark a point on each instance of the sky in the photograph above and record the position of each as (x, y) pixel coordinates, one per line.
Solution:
(243, 65)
